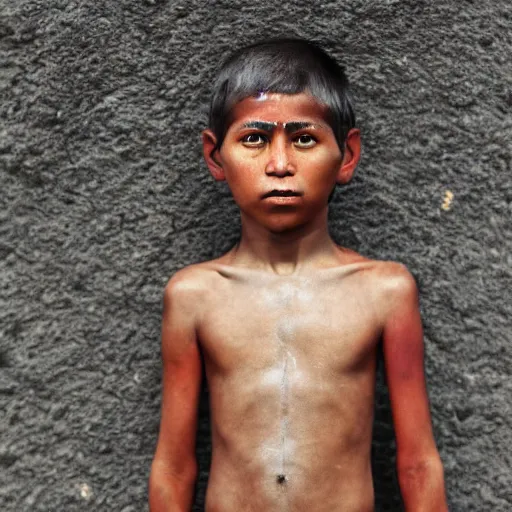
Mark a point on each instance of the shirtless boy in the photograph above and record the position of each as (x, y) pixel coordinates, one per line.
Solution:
(288, 322)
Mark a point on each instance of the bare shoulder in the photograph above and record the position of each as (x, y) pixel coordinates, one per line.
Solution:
(396, 292)
(394, 278)
(187, 280)
(390, 283)
(399, 287)
(390, 276)
(187, 287)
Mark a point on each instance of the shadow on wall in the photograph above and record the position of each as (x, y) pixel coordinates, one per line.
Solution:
(385, 482)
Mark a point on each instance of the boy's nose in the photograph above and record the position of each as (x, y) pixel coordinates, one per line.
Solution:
(279, 163)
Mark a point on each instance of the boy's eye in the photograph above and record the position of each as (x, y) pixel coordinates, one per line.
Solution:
(305, 141)
(254, 140)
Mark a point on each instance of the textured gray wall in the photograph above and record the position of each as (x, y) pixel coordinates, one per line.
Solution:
(104, 195)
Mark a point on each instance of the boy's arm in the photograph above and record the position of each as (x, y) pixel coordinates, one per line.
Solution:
(174, 467)
(419, 466)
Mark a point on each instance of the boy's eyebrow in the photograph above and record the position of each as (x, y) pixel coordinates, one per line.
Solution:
(290, 127)
(260, 125)
(295, 126)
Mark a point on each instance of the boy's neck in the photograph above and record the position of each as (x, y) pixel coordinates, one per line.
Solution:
(287, 252)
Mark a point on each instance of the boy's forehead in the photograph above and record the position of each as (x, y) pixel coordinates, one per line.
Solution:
(279, 110)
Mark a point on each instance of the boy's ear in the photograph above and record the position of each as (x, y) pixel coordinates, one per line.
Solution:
(350, 156)
(211, 155)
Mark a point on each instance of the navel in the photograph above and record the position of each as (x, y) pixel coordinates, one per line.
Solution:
(281, 479)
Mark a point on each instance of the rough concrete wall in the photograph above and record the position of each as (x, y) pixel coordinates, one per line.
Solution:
(104, 196)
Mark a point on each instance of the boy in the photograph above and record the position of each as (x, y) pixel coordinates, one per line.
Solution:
(287, 321)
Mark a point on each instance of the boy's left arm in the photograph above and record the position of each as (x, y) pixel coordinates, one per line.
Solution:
(419, 466)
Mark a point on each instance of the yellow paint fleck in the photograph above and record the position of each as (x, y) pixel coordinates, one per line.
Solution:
(447, 201)
(85, 491)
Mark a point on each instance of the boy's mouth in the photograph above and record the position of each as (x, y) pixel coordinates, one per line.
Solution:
(282, 193)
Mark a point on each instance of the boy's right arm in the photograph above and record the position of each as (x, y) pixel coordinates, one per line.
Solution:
(174, 467)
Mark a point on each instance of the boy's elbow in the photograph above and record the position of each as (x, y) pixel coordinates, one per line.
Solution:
(421, 468)
(171, 491)
(422, 483)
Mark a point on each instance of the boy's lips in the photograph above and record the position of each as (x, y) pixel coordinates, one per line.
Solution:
(282, 193)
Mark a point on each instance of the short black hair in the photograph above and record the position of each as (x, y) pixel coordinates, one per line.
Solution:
(285, 66)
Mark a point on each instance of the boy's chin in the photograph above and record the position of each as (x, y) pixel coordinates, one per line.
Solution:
(291, 221)
(281, 225)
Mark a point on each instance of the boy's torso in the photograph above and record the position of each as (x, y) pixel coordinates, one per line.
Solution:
(290, 364)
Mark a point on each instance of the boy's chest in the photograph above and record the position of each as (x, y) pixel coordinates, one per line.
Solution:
(253, 323)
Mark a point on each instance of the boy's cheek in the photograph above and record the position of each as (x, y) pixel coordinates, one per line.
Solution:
(241, 167)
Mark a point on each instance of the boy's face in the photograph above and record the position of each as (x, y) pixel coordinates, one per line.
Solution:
(281, 159)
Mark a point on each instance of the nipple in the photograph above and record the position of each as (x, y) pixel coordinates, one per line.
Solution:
(281, 479)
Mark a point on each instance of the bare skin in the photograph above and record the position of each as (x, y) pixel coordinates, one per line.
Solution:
(288, 324)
